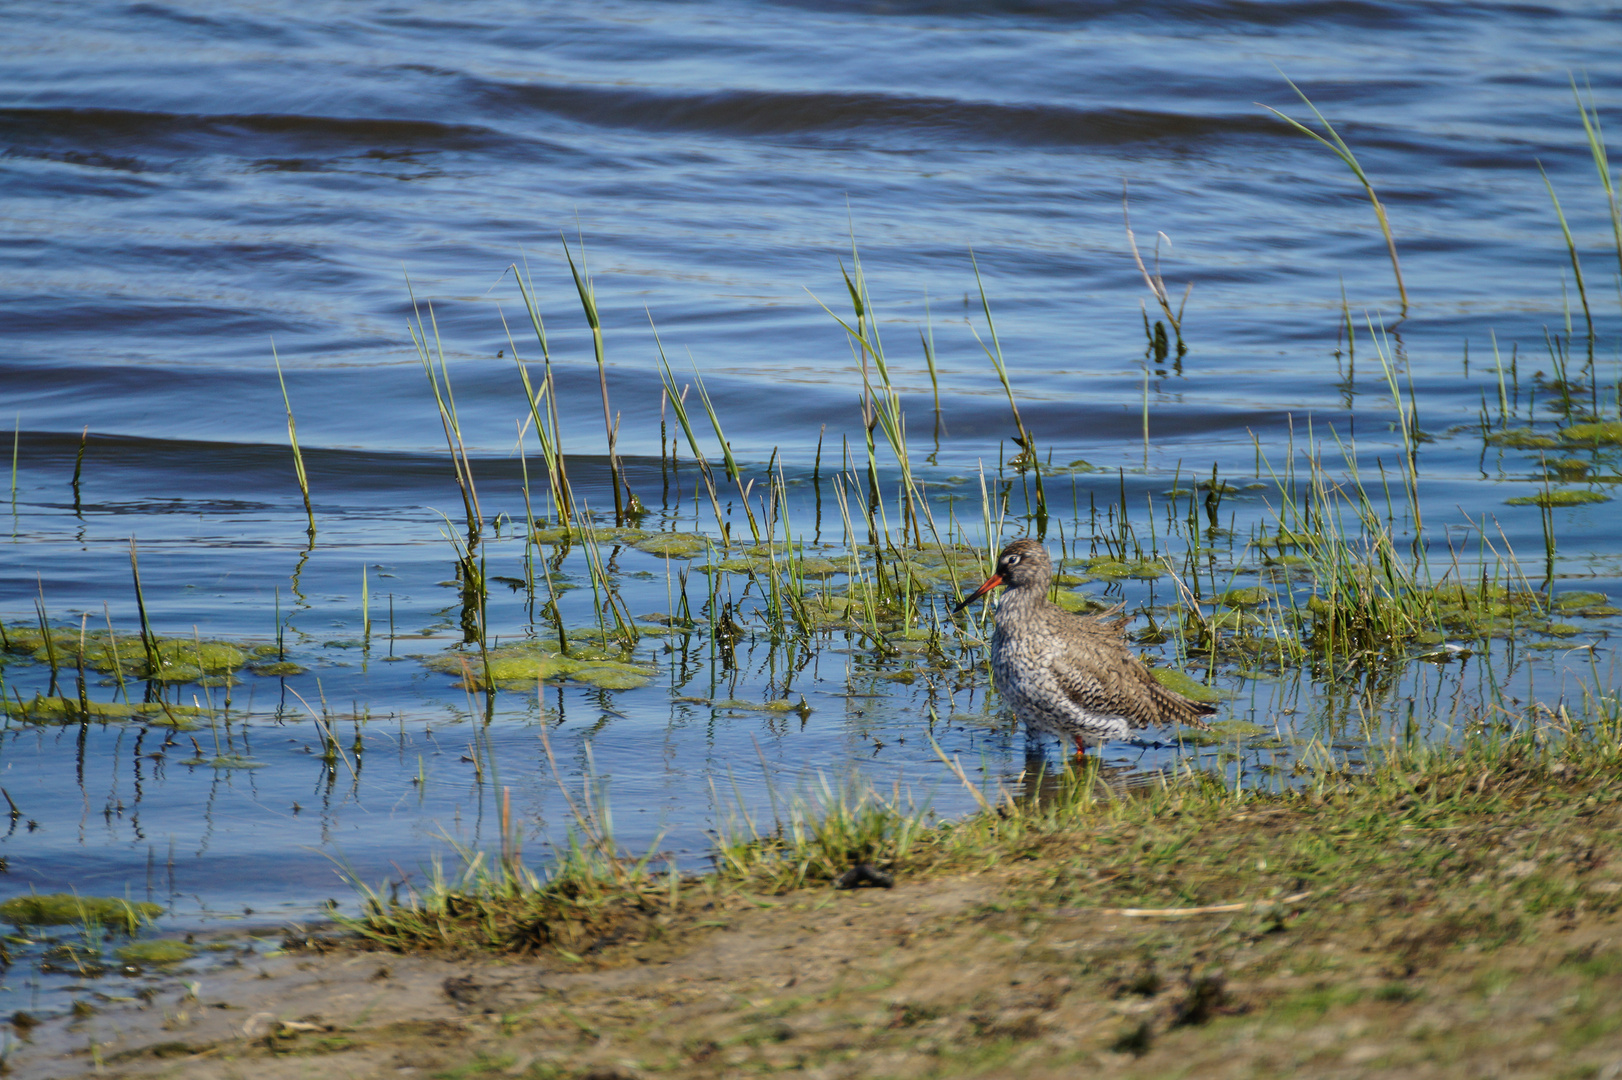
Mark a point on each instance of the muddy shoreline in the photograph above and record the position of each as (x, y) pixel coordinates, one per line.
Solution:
(1454, 918)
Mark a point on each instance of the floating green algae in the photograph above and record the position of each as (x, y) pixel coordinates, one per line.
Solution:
(520, 666)
(1075, 468)
(1254, 596)
(578, 535)
(66, 909)
(1220, 732)
(64, 710)
(1284, 538)
(1461, 612)
(1603, 433)
(833, 611)
(1077, 602)
(1143, 569)
(278, 669)
(760, 561)
(1586, 605)
(1559, 498)
(674, 545)
(1568, 469)
(1181, 682)
(172, 659)
(158, 953)
(1234, 619)
(1522, 439)
(612, 675)
(671, 545)
(782, 705)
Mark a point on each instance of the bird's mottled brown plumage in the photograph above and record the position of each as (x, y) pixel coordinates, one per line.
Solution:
(1072, 675)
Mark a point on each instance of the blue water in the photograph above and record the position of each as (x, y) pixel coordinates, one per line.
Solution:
(183, 185)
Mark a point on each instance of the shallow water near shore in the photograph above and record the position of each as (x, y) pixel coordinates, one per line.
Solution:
(186, 184)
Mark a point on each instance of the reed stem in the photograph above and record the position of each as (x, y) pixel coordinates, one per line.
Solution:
(292, 438)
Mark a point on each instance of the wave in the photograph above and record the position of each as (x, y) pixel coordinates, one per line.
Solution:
(1233, 14)
(789, 113)
(113, 132)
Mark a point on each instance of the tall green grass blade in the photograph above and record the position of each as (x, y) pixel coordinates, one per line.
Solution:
(1571, 250)
(1338, 147)
(292, 437)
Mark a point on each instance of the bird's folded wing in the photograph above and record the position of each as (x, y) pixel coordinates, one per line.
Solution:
(1113, 682)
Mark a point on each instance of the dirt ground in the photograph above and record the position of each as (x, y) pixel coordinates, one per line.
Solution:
(967, 975)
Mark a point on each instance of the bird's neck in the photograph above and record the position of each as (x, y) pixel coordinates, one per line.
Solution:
(1016, 602)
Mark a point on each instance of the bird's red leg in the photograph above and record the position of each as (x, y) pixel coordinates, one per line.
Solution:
(1081, 749)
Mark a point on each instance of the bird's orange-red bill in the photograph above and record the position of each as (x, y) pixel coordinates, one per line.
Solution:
(990, 583)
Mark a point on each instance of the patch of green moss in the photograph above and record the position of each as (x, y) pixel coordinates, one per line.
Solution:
(828, 612)
(1568, 469)
(1573, 601)
(610, 675)
(176, 659)
(1222, 732)
(1254, 596)
(66, 909)
(1604, 433)
(1559, 498)
(817, 567)
(527, 665)
(665, 623)
(1145, 569)
(1287, 538)
(62, 710)
(158, 953)
(782, 705)
(741, 565)
(1561, 630)
(1077, 467)
(1522, 439)
(1073, 601)
(966, 559)
(1181, 682)
(761, 561)
(577, 535)
(673, 545)
(1233, 619)
(278, 669)
(519, 666)
(179, 660)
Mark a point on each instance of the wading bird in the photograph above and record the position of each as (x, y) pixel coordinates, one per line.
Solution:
(1071, 675)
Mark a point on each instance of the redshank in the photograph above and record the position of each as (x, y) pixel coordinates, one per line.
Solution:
(1071, 675)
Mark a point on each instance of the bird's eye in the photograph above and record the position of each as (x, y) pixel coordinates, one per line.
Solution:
(1012, 560)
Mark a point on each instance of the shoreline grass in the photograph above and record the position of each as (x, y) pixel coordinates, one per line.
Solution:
(1176, 841)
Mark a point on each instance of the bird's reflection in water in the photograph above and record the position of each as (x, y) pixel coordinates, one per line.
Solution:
(1042, 783)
